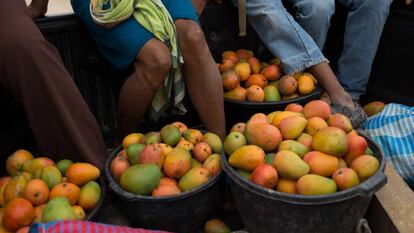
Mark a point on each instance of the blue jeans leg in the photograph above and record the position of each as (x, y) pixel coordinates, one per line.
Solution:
(314, 16)
(366, 19)
(282, 35)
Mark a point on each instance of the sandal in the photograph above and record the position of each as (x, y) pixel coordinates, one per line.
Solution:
(357, 116)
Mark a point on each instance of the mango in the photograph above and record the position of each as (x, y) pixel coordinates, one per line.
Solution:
(271, 93)
(247, 157)
(340, 121)
(373, 108)
(292, 127)
(306, 140)
(118, 166)
(317, 108)
(365, 166)
(214, 141)
(238, 93)
(63, 165)
(230, 80)
(287, 85)
(36, 165)
(14, 188)
(286, 186)
(184, 144)
(234, 141)
(256, 119)
(294, 107)
(133, 152)
(177, 163)
(341, 163)
(272, 72)
(152, 153)
(150, 138)
(264, 135)
(57, 209)
(293, 146)
(213, 164)
(80, 213)
(305, 85)
(245, 174)
(165, 190)
(314, 124)
(170, 135)
(244, 53)
(242, 70)
(193, 135)
(194, 178)
(181, 126)
(130, 139)
(256, 79)
(289, 165)
(271, 115)
(216, 226)
(269, 158)
(51, 176)
(195, 163)
(276, 61)
(321, 164)
(82, 173)
(239, 127)
(368, 151)
(202, 151)
(3, 182)
(89, 195)
(255, 93)
(254, 65)
(38, 210)
(357, 146)
(15, 161)
(280, 116)
(230, 55)
(141, 179)
(345, 178)
(292, 96)
(165, 148)
(312, 184)
(264, 175)
(330, 140)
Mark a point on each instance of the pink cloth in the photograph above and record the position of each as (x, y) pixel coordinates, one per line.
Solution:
(84, 227)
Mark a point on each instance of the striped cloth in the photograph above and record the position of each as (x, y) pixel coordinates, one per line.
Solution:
(84, 227)
(393, 130)
(154, 17)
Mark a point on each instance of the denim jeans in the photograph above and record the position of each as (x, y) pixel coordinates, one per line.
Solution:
(282, 35)
(289, 42)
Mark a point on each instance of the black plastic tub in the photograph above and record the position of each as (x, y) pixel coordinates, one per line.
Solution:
(186, 212)
(264, 210)
(96, 215)
(241, 111)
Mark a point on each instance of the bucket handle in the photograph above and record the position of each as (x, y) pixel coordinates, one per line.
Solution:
(373, 184)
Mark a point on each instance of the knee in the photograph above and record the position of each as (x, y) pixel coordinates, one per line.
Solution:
(321, 9)
(375, 6)
(155, 68)
(191, 36)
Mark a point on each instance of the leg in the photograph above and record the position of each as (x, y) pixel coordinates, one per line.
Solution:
(151, 67)
(203, 80)
(366, 19)
(32, 70)
(314, 17)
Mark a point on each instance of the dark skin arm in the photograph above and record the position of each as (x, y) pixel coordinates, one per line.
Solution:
(38, 8)
(200, 4)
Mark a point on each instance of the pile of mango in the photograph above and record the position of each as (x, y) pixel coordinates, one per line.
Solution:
(302, 150)
(246, 78)
(174, 160)
(38, 190)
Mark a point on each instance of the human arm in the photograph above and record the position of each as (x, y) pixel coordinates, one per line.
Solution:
(200, 4)
(38, 8)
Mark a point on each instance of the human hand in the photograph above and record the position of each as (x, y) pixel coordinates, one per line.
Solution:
(200, 4)
(38, 8)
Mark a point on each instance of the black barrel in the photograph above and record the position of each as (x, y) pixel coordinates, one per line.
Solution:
(264, 210)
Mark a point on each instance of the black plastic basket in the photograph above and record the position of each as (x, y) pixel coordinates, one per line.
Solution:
(265, 210)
